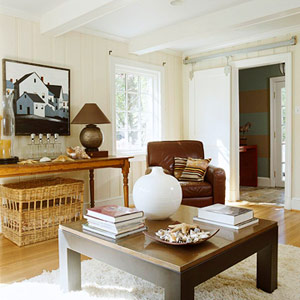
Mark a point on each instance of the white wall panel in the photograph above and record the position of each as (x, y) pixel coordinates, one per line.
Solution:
(87, 57)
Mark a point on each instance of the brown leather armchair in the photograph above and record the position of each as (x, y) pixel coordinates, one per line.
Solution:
(199, 194)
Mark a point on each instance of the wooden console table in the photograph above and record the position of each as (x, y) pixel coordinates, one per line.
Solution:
(15, 170)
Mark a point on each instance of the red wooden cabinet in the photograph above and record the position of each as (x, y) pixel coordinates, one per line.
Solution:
(248, 165)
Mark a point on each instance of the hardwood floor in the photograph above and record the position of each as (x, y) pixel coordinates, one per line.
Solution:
(19, 263)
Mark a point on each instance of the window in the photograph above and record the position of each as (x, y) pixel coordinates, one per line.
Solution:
(43, 95)
(34, 80)
(20, 107)
(36, 107)
(137, 107)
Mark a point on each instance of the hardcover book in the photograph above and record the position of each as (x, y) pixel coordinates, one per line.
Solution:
(116, 227)
(96, 231)
(114, 213)
(225, 214)
(237, 226)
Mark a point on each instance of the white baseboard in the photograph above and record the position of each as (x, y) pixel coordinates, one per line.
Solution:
(295, 203)
(264, 181)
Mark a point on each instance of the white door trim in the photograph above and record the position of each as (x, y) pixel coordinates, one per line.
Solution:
(273, 81)
(251, 63)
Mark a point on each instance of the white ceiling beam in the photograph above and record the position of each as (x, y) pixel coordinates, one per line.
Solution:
(201, 27)
(76, 13)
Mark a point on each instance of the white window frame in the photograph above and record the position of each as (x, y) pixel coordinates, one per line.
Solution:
(149, 69)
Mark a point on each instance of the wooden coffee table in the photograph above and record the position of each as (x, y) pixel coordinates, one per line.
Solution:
(178, 269)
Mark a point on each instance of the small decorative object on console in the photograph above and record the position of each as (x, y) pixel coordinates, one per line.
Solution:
(50, 147)
(63, 158)
(77, 152)
(28, 161)
(45, 159)
(7, 132)
(157, 194)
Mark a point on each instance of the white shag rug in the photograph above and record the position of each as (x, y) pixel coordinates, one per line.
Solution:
(100, 281)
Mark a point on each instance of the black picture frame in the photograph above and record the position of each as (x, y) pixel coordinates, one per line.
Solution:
(41, 101)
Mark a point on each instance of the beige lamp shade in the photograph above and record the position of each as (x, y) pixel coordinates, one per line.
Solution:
(90, 114)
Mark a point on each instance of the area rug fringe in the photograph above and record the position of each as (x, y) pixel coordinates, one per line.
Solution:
(101, 281)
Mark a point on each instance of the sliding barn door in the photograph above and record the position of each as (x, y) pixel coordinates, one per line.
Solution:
(209, 116)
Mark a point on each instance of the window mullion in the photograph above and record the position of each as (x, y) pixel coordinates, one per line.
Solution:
(126, 108)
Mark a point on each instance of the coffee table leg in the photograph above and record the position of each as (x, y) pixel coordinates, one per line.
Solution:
(267, 267)
(178, 290)
(69, 266)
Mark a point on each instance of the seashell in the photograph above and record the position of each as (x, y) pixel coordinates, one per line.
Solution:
(28, 161)
(189, 240)
(172, 238)
(197, 230)
(194, 235)
(77, 152)
(203, 235)
(62, 158)
(45, 159)
(160, 233)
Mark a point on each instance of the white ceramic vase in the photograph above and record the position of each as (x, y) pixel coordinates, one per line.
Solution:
(157, 194)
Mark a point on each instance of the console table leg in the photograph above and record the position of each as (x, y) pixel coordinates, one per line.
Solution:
(92, 191)
(125, 171)
(267, 267)
(69, 266)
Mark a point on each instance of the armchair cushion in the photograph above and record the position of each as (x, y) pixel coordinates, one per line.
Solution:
(195, 169)
(179, 166)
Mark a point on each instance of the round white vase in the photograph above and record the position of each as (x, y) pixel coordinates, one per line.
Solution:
(157, 194)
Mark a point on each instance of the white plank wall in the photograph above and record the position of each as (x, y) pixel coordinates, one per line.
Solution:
(87, 57)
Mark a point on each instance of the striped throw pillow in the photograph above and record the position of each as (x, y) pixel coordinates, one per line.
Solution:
(195, 169)
(179, 166)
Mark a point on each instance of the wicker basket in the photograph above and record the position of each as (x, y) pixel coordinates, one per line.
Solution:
(32, 210)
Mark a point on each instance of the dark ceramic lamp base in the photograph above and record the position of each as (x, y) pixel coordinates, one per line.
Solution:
(91, 138)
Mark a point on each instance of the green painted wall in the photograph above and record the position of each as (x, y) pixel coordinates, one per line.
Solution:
(258, 79)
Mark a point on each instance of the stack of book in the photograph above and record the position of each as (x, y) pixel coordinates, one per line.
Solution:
(226, 216)
(113, 221)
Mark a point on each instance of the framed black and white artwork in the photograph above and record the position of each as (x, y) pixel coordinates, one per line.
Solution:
(41, 100)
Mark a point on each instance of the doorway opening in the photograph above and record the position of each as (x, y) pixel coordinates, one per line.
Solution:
(262, 117)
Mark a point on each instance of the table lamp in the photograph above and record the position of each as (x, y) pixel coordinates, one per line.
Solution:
(91, 136)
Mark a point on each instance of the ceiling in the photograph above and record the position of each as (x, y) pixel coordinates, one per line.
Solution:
(34, 8)
(146, 15)
(150, 25)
